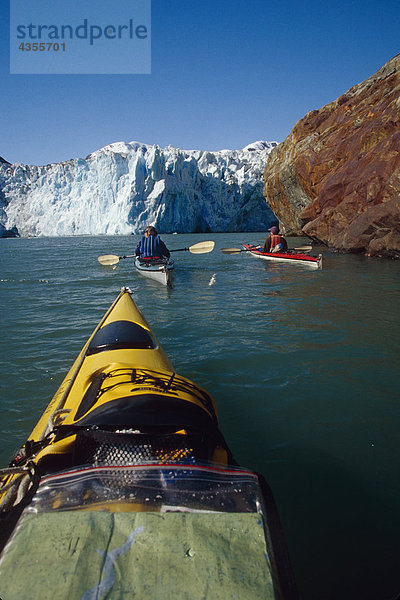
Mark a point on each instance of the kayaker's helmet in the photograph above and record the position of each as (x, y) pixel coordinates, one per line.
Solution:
(274, 230)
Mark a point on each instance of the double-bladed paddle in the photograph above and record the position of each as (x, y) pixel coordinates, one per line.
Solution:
(237, 250)
(199, 248)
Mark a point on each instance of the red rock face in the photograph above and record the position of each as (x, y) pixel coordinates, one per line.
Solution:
(336, 177)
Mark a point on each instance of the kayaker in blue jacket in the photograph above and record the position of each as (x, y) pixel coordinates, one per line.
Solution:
(275, 242)
(151, 245)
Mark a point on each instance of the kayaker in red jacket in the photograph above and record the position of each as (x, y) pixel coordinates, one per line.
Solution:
(275, 242)
(151, 245)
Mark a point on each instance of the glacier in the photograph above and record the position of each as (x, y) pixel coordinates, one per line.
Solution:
(123, 187)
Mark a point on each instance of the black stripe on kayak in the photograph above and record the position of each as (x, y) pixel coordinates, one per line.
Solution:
(151, 413)
(121, 335)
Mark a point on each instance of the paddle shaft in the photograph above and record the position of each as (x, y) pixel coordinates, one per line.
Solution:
(133, 255)
(199, 248)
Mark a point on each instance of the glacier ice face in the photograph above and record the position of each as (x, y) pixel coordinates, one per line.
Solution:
(124, 187)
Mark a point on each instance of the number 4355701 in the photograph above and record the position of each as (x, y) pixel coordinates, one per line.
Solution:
(42, 47)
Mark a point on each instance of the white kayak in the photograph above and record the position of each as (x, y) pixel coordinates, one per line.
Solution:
(159, 269)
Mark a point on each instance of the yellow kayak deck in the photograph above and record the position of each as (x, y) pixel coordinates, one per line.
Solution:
(126, 487)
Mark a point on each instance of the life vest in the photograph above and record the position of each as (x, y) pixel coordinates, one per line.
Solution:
(276, 239)
(149, 246)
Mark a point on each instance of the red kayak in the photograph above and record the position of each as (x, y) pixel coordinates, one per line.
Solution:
(290, 257)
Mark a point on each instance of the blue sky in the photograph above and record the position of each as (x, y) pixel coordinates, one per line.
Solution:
(224, 73)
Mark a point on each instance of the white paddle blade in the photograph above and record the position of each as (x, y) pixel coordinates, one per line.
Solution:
(304, 248)
(108, 259)
(231, 250)
(202, 247)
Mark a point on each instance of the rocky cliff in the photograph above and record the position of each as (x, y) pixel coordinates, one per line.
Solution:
(336, 177)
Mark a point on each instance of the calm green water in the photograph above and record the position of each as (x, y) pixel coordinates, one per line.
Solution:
(303, 366)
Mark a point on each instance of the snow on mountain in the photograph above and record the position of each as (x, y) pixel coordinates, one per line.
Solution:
(260, 145)
(124, 187)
